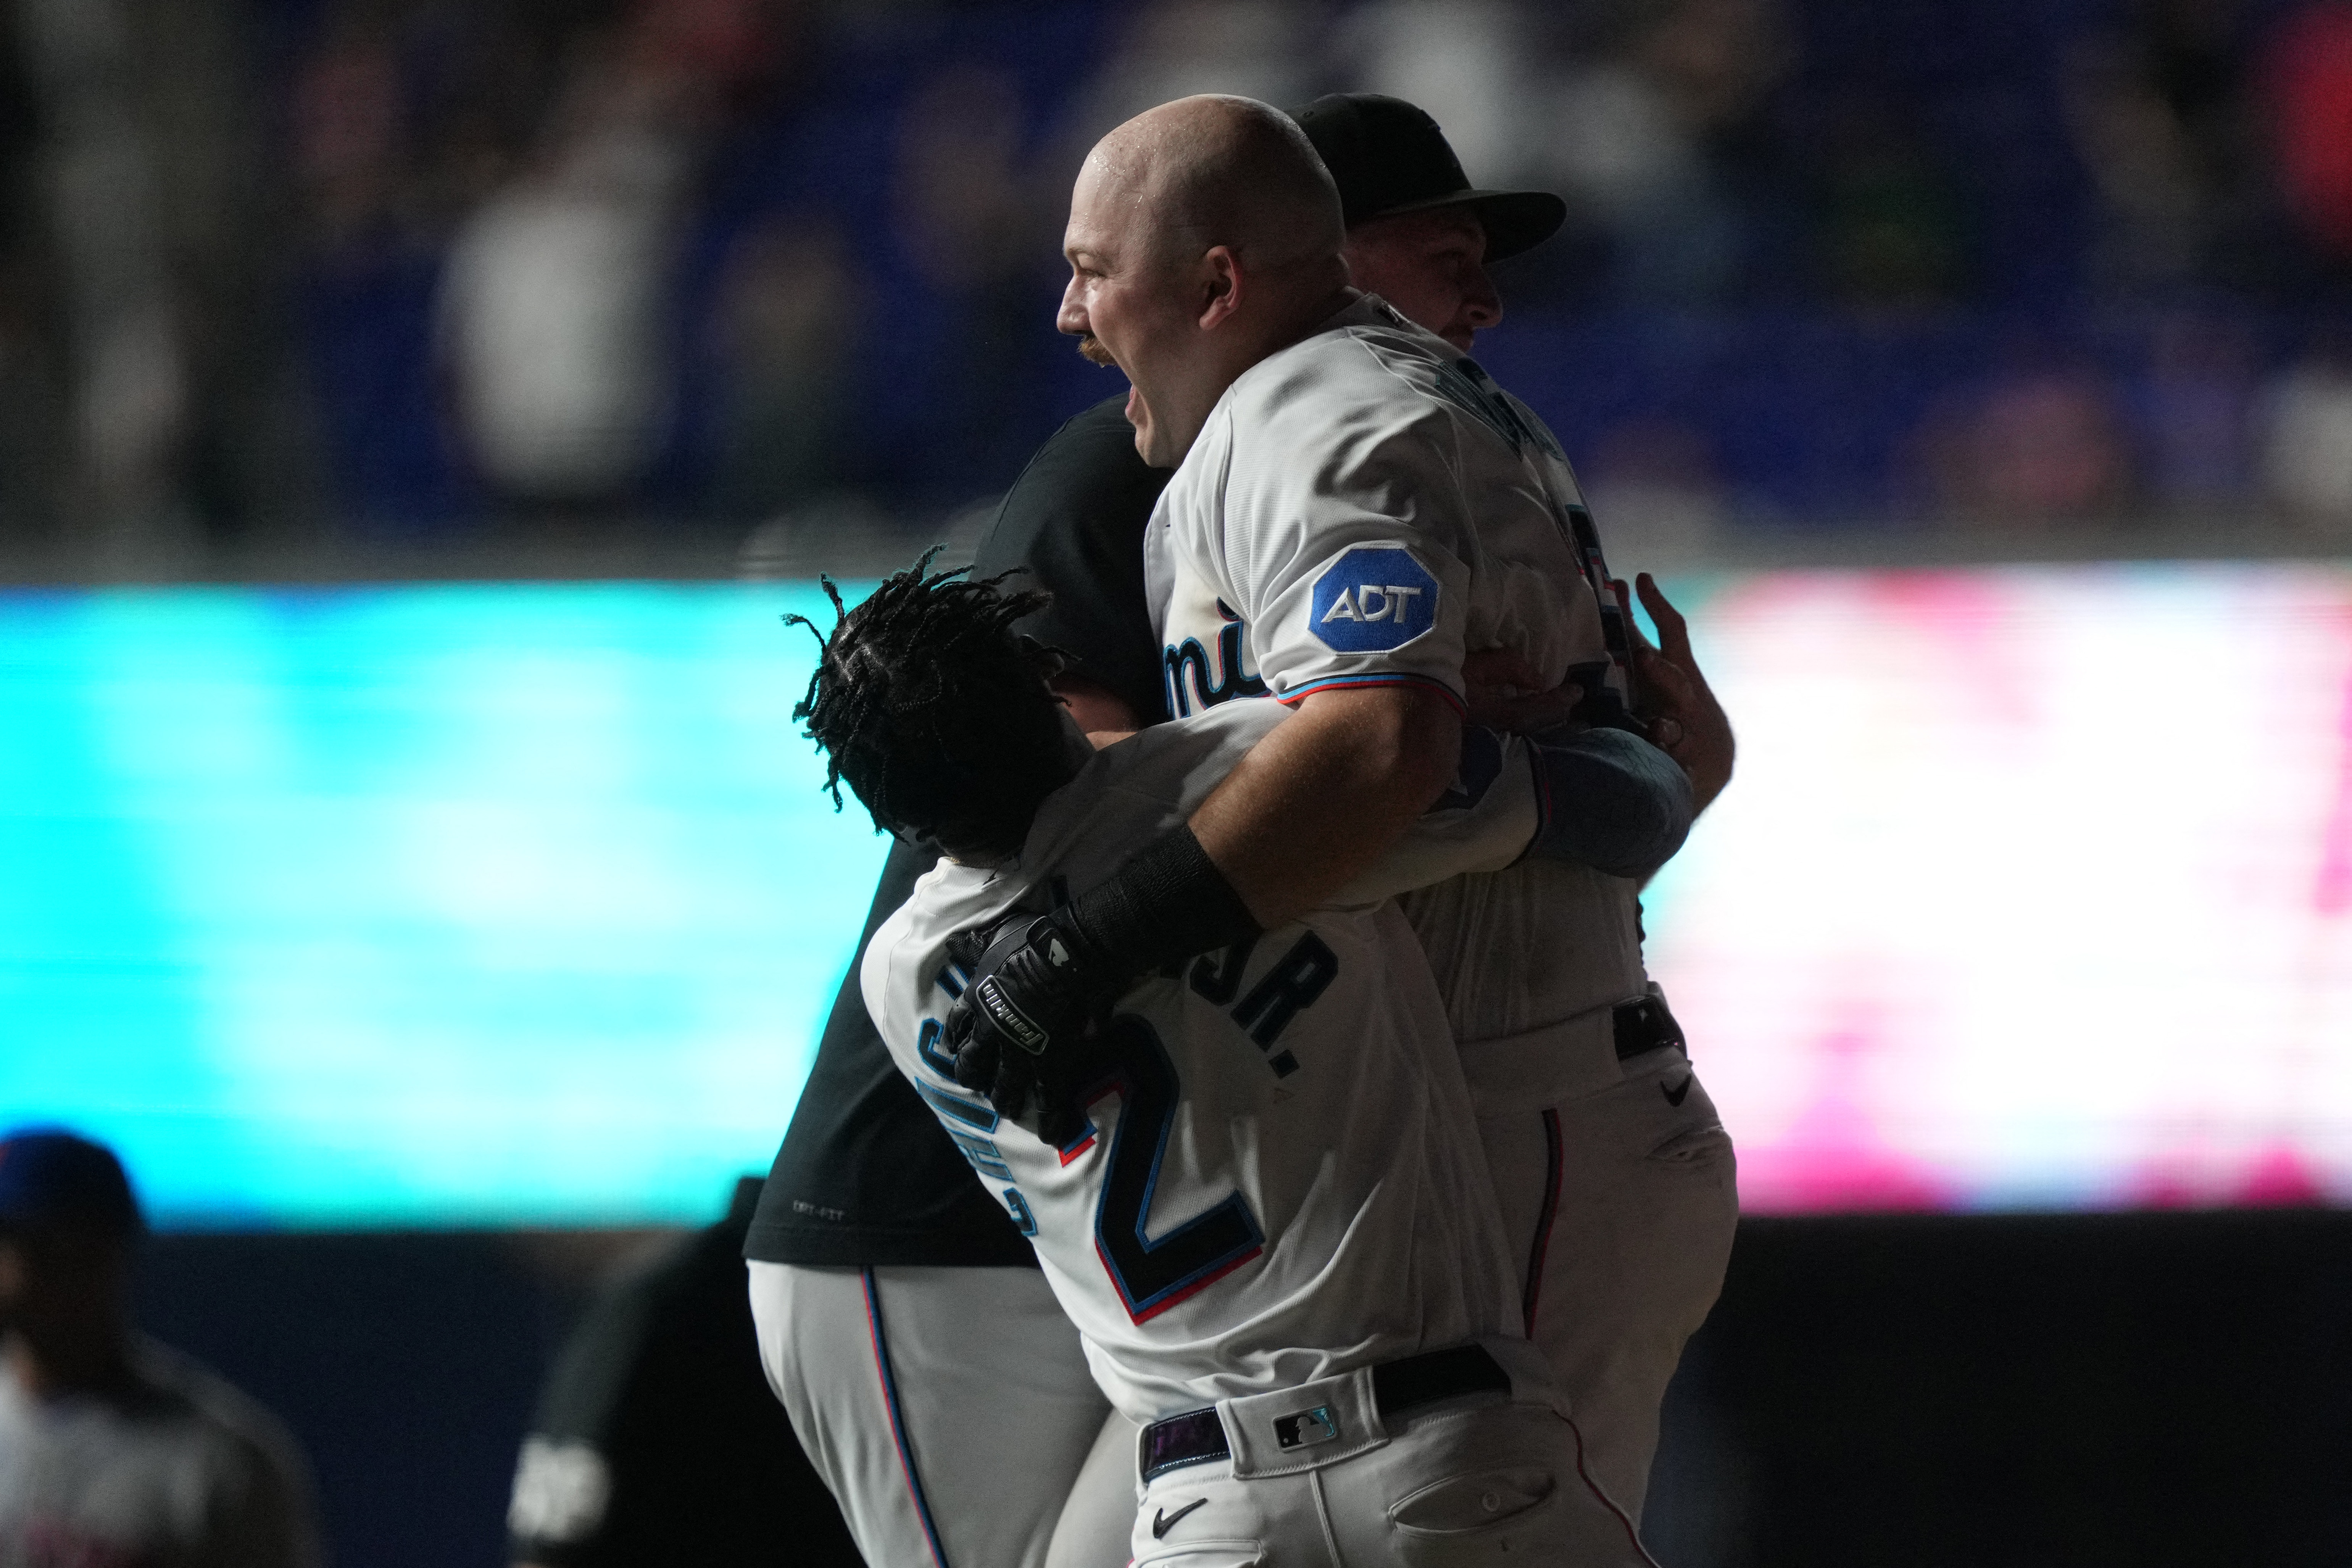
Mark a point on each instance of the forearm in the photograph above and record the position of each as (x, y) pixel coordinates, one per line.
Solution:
(1617, 804)
(1328, 793)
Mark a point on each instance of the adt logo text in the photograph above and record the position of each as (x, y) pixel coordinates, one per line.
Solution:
(1373, 598)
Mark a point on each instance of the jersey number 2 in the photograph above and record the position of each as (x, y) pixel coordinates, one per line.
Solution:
(1153, 1274)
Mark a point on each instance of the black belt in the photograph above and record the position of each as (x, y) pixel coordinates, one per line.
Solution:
(1197, 1437)
(1645, 1026)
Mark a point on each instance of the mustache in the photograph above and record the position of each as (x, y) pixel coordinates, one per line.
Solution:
(1090, 349)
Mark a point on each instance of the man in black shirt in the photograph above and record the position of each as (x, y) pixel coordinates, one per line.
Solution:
(902, 1319)
(653, 1441)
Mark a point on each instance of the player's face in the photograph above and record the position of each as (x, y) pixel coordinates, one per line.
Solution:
(1127, 306)
(1432, 266)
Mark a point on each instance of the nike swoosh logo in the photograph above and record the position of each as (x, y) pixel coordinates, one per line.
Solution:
(1162, 1523)
(1674, 1096)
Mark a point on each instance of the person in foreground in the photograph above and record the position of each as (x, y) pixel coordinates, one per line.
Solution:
(1257, 1191)
(656, 1440)
(114, 1450)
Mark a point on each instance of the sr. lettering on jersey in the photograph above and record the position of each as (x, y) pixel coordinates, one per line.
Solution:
(1373, 598)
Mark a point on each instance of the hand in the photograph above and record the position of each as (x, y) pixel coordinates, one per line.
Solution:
(1504, 691)
(1022, 1030)
(1686, 721)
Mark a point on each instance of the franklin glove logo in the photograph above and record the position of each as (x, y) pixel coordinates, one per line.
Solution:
(1016, 1025)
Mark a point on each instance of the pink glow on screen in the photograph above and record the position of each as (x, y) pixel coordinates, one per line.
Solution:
(2034, 890)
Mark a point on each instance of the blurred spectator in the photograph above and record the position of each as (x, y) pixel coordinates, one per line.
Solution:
(656, 1440)
(2194, 406)
(553, 306)
(1647, 132)
(2307, 437)
(2164, 116)
(112, 1449)
(1891, 233)
(788, 309)
(2043, 445)
(1468, 63)
(1171, 48)
(2310, 82)
(983, 240)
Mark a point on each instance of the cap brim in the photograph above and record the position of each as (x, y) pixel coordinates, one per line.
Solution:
(1515, 221)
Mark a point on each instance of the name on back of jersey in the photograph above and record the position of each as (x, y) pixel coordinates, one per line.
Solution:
(1373, 598)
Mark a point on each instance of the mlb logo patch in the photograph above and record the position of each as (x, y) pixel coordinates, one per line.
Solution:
(1305, 1430)
(1373, 598)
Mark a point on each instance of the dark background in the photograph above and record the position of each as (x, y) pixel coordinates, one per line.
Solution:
(1984, 1392)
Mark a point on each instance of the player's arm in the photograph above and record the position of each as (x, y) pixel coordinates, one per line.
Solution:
(1328, 793)
(1596, 797)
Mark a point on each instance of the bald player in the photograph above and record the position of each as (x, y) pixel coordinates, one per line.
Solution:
(1359, 512)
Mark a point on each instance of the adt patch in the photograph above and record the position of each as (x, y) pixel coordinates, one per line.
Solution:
(1373, 598)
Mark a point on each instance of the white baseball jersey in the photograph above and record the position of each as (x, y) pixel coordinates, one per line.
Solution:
(1362, 509)
(1281, 1180)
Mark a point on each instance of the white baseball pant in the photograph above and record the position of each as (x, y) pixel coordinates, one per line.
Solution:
(1620, 1194)
(1487, 1479)
(950, 1410)
(1623, 1199)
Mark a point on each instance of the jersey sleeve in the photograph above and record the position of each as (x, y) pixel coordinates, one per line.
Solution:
(1345, 533)
(1483, 822)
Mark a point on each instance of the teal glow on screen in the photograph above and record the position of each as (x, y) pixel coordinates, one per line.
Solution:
(418, 905)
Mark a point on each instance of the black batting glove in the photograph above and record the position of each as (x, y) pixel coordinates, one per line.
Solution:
(1023, 1030)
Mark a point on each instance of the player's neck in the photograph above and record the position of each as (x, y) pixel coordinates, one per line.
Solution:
(1076, 750)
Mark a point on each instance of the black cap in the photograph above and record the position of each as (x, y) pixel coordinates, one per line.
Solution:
(49, 1176)
(1387, 156)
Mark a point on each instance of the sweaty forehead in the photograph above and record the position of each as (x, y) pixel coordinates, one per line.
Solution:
(1103, 207)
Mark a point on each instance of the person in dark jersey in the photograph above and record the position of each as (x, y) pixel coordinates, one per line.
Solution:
(654, 1442)
(901, 1317)
(903, 1320)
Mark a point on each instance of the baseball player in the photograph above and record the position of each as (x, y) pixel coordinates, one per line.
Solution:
(1360, 507)
(1270, 1218)
(899, 1311)
(902, 1319)
(1618, 1180)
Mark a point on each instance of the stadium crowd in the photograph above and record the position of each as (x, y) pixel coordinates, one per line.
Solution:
(676, 267)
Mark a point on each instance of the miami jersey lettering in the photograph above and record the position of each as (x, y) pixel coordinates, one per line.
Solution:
(1281, 1178)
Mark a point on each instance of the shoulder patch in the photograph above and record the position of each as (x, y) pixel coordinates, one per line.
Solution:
(1373, 598)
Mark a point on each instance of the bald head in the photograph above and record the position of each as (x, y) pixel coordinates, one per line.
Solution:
(1215, 170)
(1204, 235)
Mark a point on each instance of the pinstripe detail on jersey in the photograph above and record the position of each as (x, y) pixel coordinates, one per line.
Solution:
(898, 1422)
(1554, 1166)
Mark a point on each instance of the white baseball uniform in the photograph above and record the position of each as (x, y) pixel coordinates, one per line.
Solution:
(1280, 1189)
(1363, 509)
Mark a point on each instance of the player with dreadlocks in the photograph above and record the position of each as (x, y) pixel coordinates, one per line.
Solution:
(1260, 1196)
(888, 704)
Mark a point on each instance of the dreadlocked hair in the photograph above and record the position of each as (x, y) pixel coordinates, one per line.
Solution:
(934, 711)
